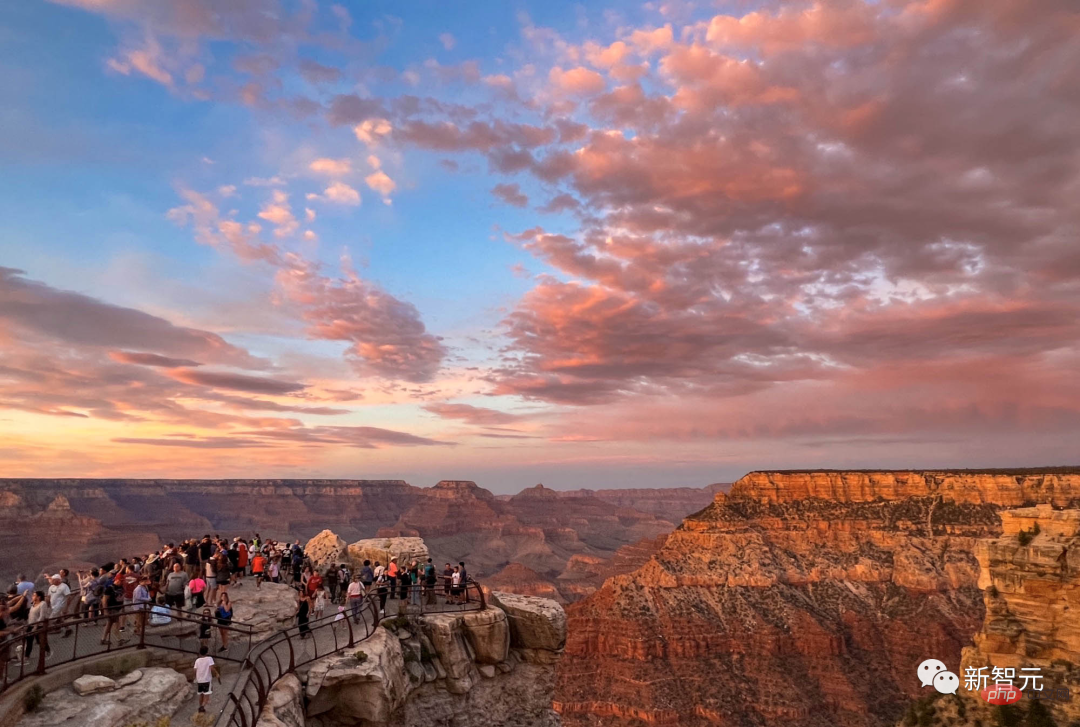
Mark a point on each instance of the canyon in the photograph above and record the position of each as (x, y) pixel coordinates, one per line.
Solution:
(558, 544)
(807, 598)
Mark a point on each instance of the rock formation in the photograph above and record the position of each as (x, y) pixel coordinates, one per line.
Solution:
(471, 669)
(156, 694)
(405, 549)
(803, 597)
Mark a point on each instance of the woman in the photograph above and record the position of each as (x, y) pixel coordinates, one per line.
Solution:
(35, 623)
(206, 624)
(110, 606)
(275, 569)
(354, 595)
(210, 571)
(198, 593)
(302, 614)
(224, 615)
(322, 600)
(224, 573)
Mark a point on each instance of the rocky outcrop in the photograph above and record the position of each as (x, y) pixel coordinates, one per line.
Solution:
(157, 694)
(667, 503)
(1031, 583)
(462, 669)
(268, 608)
(284, 705)
(326, 549)
(805, 597)
(405, 549)
(535, 623)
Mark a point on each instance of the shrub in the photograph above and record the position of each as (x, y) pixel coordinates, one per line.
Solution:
(1026, 536)
(992, 591)
(33, 697)
(360, 656)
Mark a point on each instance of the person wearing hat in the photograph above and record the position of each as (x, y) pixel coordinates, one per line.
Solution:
(58, 593)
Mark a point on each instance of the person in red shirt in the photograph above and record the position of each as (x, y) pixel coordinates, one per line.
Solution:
(242, 560)
(313, 583)
(258, 568)
(129, 580)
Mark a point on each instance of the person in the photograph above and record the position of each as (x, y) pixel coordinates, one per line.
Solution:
(302, 614)
(275, 569)
(210, 569)
(160, 613)
(367, 575)
(429, 582)
(314, 582)
(331, 581)
(297, 564)
(35, 624)
(344, 577)
(224, 619)
(354, 595)
(23, 586)
(413, 579)
(455, 585)
(382, 586)
(233, 556)
(141, 601)
(198, 592)
(258, 567)
(206, 549)
(464, 583)
(206, 624)
(129, 581)
(242, 558)
(191, 559)
(111, 605)
(205, 671)
(58, 599)
(322, 598)
(392, 576)
(224, 572)
(175, 582)
(448, 576)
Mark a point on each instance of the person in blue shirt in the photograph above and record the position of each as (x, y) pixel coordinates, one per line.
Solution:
(23, 586)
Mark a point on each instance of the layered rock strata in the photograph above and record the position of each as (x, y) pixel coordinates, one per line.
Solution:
(807, 598)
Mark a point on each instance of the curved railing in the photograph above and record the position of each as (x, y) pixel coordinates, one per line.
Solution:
(68, 639)
(285, 651)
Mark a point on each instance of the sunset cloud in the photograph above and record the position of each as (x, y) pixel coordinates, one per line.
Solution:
(341, 193)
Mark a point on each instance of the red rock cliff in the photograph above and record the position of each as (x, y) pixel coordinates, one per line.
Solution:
(806, 598)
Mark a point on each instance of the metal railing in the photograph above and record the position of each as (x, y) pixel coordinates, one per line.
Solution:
(289, 649)
(67, 639)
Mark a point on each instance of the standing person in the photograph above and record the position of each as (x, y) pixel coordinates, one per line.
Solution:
(297, 564)
(224, 616)
(331, 581)
(141, 601)
(233, 556)
(24, 587)
(455, 585)
(414, 584)
(354, 595)
(175, 582)
(242, 558)
(35, 624)
(464, 583)
(314, 582)
(205, 671)
(406, 577)
(430, 580)
(275, 569)
(258, 567)
(322, 598)
(448, 576)
(206, 549)
(210, 570)
(59, 592)
(302, 611)
(110, 606)
(206, 628)
(191, 558)
(392, 572)
(382, 584)
(224, 572)
(129, 581)
(367, 575)
(198, 592)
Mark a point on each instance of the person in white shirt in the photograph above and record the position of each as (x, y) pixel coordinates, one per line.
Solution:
(205, 671)
(354, 596)
(58, 596)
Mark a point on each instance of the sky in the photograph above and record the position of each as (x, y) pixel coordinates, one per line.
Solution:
(585, 244)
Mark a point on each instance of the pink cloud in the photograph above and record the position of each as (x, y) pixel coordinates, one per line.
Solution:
(576, 81)
(510, 194)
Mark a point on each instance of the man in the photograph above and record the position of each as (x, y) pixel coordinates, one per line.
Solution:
(59, 592)
(23, 586)
(392, 576)
(464, 583)
(367, 575)
(175, 582)
(429, 582)
(206, 549)
(191, 559)
(258, 567)
(205, 671)
(129, 581)
(242, 559)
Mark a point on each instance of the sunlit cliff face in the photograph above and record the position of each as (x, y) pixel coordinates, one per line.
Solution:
(647, 244)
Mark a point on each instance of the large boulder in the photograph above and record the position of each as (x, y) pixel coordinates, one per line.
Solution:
(154, 697)
(360, 690)
(535, 623)
(326, 549)
(92, 684)
(284, 704)
(488, 634)
(382, 549)
(268, 608)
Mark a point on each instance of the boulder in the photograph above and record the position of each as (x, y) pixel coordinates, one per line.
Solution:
(326, 549)
(488, 634)
(284, 704)
(130, 678)
(535, 623)
(92, 684)
(268, 608)
(382, 549)
(487, 671)
(153, 698)
(446, 633)
(360, 691)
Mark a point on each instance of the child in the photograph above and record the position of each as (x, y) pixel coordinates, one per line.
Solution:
(321, 599)
(205, 628)
(205, 671)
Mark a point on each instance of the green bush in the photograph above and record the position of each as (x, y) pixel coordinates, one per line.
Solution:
(33, 697)
(1026, 536)
(360, 656)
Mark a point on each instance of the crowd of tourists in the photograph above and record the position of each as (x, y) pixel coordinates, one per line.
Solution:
(196, 576)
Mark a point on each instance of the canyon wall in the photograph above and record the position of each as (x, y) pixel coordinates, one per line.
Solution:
(537, 542)
(803, 597)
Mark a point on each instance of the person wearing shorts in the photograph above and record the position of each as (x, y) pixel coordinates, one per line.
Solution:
(204, 677)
